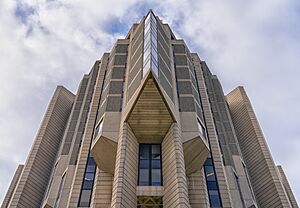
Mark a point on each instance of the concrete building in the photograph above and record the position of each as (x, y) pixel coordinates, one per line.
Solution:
(149, 126)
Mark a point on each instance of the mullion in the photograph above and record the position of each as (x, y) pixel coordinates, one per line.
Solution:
(150, 165)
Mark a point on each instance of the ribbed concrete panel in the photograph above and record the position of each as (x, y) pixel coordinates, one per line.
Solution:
(88, 134)
(150, 117)
(33, 182)
(211, 130)
(197, 190)
(102, 192)
(12, 186)
(125, 177)
(238, 184)
(265, 181)
(287, 187)
(174, 178)
(71, 135)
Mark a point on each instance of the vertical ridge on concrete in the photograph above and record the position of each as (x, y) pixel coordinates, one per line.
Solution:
(197, 190)
(12, 186)
(36, 173)
(174, 178)
(125, 177)
(214, 144)
(266, 184)
(102, 192)
(287, 186)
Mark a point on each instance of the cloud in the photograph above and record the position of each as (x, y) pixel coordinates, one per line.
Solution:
(46, 43)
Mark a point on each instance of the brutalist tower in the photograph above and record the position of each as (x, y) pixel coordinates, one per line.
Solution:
(149, 126)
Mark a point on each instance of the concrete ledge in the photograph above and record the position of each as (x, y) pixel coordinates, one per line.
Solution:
(104, 151)
(195, 153)
(104, 146)
(195, 146)
(149, 190)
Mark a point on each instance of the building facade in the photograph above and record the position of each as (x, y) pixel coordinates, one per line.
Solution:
(149, 126)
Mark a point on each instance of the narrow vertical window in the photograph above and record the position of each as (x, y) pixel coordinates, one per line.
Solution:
(150, 57)
(87, 185)
(150, 171)
(211, 182)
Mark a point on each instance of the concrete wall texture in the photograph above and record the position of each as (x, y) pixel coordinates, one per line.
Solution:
(149, 90)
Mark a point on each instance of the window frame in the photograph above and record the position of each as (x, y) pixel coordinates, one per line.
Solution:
(150, 159)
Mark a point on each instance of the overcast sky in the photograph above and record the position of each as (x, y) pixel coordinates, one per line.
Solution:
(48, 43)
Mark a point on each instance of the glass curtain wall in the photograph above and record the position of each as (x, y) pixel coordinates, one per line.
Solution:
(150, 57)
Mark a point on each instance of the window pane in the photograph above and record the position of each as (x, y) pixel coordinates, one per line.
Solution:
(156, 177)
(210, 175)
(87, 185)
(155, 164)
(89, 176)
(155, 151)
(91, 161)
(208, 162)
(212, 185)
(144, 151)
(144, 164)
(214, 199)
(91, 168)
(85, 198)
(144, 177)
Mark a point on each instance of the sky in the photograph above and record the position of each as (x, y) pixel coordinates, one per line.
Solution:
(45, 43)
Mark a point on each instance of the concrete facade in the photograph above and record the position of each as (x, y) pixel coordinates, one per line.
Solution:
(150, 92)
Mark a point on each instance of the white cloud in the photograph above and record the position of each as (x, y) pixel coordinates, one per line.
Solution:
(252, 43)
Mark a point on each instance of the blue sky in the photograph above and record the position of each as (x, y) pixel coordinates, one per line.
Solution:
(251, 43)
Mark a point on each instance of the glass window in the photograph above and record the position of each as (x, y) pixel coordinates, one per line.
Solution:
(208, 162)
(210, 174)
(150, 44)
(90, 168)
(156, 177)
(85, 198)
(89, 176)
(212, 185)
(98, 129)
(150, 165)
(88, 182)
(214, 199)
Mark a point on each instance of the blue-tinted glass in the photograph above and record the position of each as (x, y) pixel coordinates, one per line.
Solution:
(150, 165)
(91, 168)
(91, 161)
(208, 162)
(89, 176)
(155, 69)
(212, 185)
(155, 164)
(147, 26)
(144, 164)
(156, 177)
(144, 151)
(87, 185)
(144, 177)
(215, 200)
(210, 174)
(155, 151)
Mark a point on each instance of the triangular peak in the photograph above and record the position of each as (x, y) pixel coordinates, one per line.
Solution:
(150, 116)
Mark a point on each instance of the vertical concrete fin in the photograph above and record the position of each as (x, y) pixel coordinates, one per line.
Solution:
(12, 186)
(287, 186)
(266, 184)
(35, 176)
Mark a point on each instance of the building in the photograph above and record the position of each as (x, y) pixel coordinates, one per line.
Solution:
(149, 126)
